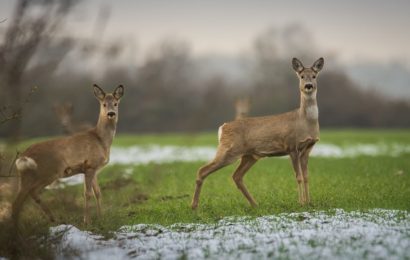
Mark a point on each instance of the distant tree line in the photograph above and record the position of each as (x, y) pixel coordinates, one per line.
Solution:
(168, 92)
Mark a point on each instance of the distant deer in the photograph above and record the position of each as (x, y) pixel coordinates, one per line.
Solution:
(242, 108)
(85, 152)
(64, 113)
(293, 133)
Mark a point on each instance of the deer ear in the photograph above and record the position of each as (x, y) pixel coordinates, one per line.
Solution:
(297, 65)
(318, 65)
(118, 92)
(98, 92)
(68, 105)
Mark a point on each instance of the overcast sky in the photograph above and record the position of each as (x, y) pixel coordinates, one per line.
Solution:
(372, 30)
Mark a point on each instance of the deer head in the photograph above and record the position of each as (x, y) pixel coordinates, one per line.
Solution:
(109, 102)
(64, 112)
(307, 76)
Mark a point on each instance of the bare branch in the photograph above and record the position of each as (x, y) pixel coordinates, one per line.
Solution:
(12, 164)
(7, 113)
(25, 32)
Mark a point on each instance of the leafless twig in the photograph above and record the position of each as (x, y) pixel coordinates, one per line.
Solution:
(12, 163)
(7, 113)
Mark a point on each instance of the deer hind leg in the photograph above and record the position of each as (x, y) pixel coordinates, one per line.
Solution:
(34, 195)
(247, 162)
(97, 194)
(298, 174)
(304, 165)
(18, 205)
(27, 184)
(221, 160)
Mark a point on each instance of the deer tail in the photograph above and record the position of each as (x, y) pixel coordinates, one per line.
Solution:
(25, 163)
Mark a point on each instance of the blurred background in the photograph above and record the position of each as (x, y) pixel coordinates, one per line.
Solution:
(186, 63)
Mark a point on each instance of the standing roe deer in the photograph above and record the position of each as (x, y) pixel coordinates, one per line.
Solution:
(64, 113)
(84, 152)
(293, 133)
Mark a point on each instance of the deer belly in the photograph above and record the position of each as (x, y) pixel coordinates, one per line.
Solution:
(74, 169)
(306, 144)
(271, 151)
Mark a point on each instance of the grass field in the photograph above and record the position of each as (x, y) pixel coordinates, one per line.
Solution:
(160, 193)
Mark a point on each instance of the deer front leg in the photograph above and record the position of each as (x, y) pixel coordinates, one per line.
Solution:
(88, 193)
(304, 165)
(298, 174)
(304, 162)
(97, 194)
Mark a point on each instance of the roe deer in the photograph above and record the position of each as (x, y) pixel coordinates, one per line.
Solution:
(64, 113)
(293, 133)
(242, 108)
(84, 152)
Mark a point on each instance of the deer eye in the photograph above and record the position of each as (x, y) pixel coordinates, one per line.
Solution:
(314, 76)
(302, 77)
(115, 104)
(105, 105)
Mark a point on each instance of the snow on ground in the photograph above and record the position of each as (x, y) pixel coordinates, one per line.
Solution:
(137, 155)
(377, 234)
(160, 154)
(164, 154)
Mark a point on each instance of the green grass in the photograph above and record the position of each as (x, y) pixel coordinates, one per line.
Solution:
(162, 193)
(351, 184)
(339, 137)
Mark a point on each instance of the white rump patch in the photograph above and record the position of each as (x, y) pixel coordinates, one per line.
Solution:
(220, 132)
(312, 112)
(25, 163)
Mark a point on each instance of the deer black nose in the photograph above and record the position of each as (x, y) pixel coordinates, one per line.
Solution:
(111, 114)
(308, 86)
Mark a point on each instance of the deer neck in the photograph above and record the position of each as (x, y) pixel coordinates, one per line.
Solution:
(308, 107)
(106, 130)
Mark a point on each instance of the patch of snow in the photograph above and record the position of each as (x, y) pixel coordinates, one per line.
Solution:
(377, 234)
(75, 242)
(68, 181)
(331, 150)
(160, 154)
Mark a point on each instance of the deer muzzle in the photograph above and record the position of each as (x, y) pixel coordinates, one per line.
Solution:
(111, 115)
(308, 86)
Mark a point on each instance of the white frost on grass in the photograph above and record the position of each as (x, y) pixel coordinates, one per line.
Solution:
(331, 150)
(160, 154)
(377, 234)
(75, 243)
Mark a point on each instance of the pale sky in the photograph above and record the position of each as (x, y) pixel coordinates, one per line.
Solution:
(372, 30)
